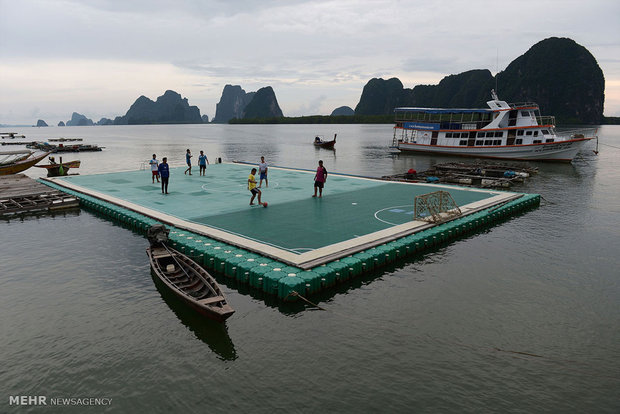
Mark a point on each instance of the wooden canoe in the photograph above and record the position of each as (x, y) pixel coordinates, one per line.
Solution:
(189, 281)
(22, 164)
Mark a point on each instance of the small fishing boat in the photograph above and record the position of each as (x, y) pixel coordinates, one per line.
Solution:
(186, 278)
(319, 142)
(13, 162)
(504, 131)
(61, 169)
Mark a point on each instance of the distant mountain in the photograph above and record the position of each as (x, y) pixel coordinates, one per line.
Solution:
(79, 120)
(170, 108)
(263, 105)
(235, 103)
(105, 121)
(231, 104)
(61, 123)
(561, 76)
(343, 111)
(41, 123)
(556, 73)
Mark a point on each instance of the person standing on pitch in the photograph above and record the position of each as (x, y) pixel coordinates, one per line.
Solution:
(319, 179)
(154, 168)
(252, 187)
(164, 173)
(262, 169)
(188, 160)
(202, 163)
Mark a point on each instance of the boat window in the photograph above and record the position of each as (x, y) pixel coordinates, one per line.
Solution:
(479, 142)
(549, 140)
(528, 132)
(545, 132)
(520, 132)
(535, 133)
(490, 134)
(537, 141)
(519, 141)
(497, 142)
(488, 142)
(499, 134)
(480, 134)
(463, 142)
(525, 113)
(448, 134)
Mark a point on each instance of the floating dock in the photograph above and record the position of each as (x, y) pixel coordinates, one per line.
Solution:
(299, 243)
(22, 194)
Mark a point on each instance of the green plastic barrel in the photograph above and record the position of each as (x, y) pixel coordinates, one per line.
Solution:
(367, 260)
(327, 275)
(312, 279)
(289, 284)
(271, 281)
(257, 274)
(354, 266)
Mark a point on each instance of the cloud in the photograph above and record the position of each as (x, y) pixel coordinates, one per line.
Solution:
(105, 53)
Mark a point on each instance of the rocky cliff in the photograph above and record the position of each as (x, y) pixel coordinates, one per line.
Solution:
(231, 104)
(170, 108)
(41, 123)
(79, 120)
(343, 111)
(263, 105)
(561, 76)
(557, 73)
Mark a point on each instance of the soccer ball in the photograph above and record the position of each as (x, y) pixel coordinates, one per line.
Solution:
(265, 204)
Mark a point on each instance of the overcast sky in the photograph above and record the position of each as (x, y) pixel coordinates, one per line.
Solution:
(96, 57)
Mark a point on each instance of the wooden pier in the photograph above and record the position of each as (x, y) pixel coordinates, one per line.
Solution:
(19, 194)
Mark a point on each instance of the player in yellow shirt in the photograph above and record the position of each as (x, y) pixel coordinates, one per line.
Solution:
(253, 189)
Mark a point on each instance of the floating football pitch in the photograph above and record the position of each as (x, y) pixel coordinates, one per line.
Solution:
(355, 213)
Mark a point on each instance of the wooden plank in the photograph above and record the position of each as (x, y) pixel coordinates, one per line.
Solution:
(209, 301)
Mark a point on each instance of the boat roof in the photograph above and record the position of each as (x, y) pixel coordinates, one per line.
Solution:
(444, 110)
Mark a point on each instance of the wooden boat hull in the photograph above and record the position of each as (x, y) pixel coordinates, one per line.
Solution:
(189, 282)
(53, 170)
(561, 151)
(328, 144)
(22, 165)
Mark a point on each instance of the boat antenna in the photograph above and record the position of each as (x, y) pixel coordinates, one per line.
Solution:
(496, 68)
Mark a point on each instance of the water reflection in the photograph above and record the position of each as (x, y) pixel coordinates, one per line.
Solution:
(212, 333)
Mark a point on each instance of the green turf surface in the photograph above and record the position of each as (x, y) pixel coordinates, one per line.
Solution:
(294, 221)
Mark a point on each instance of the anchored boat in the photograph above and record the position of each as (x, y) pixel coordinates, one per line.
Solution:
(319, 142)
(59, 170)
(186, 278)
(507, 131)
(13, 162)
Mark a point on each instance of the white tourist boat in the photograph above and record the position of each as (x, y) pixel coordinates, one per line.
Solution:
(507, 131)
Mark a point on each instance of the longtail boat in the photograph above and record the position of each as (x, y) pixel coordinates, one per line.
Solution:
(319, 142)
(18, 161)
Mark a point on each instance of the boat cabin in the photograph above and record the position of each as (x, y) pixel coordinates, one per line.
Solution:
(502, 124)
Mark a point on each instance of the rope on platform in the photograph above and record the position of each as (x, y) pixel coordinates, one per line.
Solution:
(547, 201)
(294, 293)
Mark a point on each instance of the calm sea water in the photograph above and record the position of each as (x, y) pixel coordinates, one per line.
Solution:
(522, 318)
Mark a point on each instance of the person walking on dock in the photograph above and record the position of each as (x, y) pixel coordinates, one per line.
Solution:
(154, 168)
(188, 160)
(262, 169)
(252, 187)
(164, 172)
(319, 179)
(202, 163)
